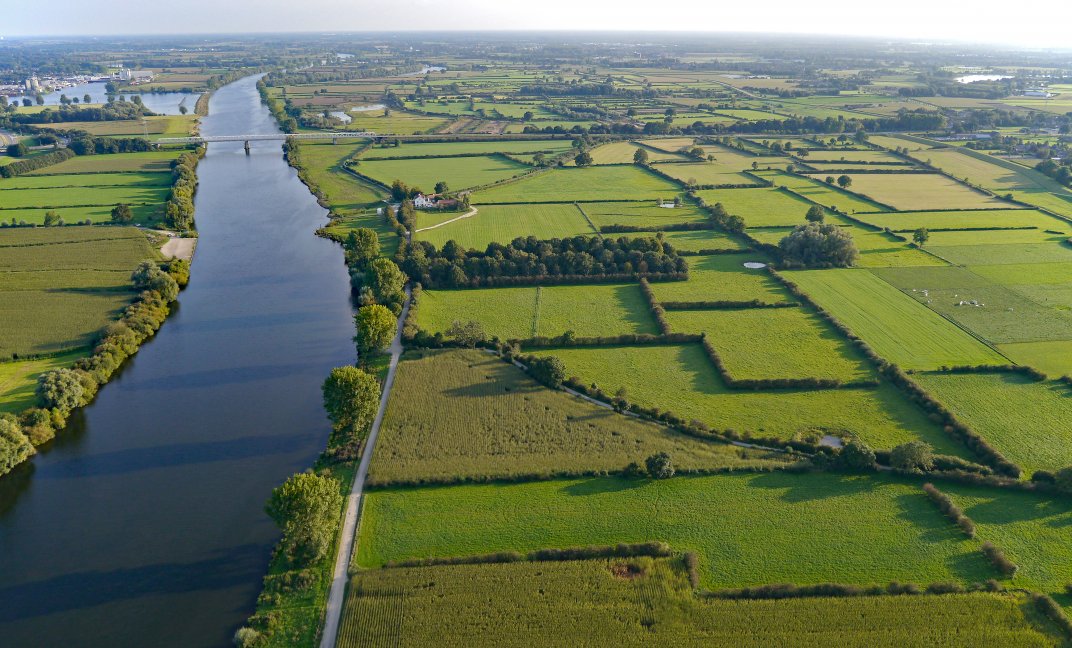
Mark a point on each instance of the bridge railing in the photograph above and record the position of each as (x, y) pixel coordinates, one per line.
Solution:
(200, 139)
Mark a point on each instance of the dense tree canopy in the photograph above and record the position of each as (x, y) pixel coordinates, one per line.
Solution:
(819, 245)
(306, 508)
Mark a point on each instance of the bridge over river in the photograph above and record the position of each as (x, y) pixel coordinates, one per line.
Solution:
(336, 136)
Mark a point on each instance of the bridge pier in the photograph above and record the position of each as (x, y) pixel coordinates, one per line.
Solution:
(247, 147)
(334, 140)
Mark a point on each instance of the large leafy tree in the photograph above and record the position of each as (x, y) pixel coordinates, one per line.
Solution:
(306, 508)
(375, 327)
(351, 396)
(819, 245)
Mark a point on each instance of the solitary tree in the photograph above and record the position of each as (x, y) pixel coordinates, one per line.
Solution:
(844, 181)
(914, 455)
(121, 213)
(583, 159)
(856, 455)
(467, 334)
(921, 236)
(351, 397)
(362, 246)
(87, 99)
(815, 214)
(375, 327)
(441, 187)
(640, 156)
(183, 110)
(306, 508)
(51, 218)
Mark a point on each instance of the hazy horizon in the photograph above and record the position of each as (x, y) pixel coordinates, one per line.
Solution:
(934, 21)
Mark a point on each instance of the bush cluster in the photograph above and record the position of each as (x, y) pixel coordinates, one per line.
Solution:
(789, 590)
(950, 509)
(656, 309)
(1030, 372)
(530, 260)
(999, 560)
(1053, 611)
(34, 163)
(82, 143)
(567, 339)
(725, 305)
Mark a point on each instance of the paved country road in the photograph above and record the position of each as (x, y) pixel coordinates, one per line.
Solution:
(349, 524)
(6, 138)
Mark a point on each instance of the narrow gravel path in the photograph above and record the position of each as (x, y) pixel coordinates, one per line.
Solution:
(337, 594)
(472, 212)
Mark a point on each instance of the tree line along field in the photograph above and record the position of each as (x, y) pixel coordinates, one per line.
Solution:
(634, 602)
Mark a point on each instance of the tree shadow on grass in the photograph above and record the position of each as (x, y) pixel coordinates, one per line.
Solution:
(1007, 508)
(811, 487)
(601, 485)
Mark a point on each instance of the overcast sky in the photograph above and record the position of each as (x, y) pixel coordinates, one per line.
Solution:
(1041, 23)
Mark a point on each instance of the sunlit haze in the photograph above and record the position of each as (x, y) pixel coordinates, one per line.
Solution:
(1041, 24)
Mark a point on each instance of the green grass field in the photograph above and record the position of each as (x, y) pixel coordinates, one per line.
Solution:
(1052, 357)
(589, 184)
(525, 312)
(723, 278)
(706, 173)
(1055, 251)
(68, 181)
(899, 328)
(1029, 422)
(695, 240)
(760, 207)
(458, 173)
(504, 223)
(622, 153)
(645, 601)
(18, 379)
(815, 189)
(1031, 529)
(774, 343)
(81, 196)
(682, 379)
(59, 286)
(507, 424)
(747, 529)
(641, 214)
(910, 221)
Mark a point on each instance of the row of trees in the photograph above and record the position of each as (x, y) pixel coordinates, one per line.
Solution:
(535, 259)
(179, 211)
(61, 390)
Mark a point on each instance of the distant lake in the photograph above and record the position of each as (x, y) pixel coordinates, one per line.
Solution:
(972, 78)
(161, 103)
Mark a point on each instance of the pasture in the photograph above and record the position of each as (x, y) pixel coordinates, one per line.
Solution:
(82, 196)
(458, 173)
(508, 425)
(746, 529)
(705, 173)
(448, 149)
(694, 240)
(723, 277)
(760, 207)
(641, 214)
(774, 343)
(622, 153)
(1053, 357)
(159, 160)
(826, 194)
(683, 380)
(898, 328)
(59, 286)
(593, 184)
(504, 223)
(18, 378)
(652, 603)
(910, 221)
(1028, 422)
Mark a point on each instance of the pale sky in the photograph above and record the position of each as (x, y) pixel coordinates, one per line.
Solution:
(1038, 23)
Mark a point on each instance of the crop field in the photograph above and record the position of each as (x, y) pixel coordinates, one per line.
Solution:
(682, 379)
(851, 156)
(723, 277)
(1029, 422)
(114, 163)
(59, 286)
(669, 144)
(747, 529)
(595, 184)
(899, 328)
(162, 126)
(1000, 313)
(525, 312)
(641, 214)
(397, 123)
(760, 207)
(504, 223)
(447, 149)
(18, 378)
(67, 181)
(774, 343)
(910, 221)
(459, 172)
(919, 191)
(512, 426)
(652, 603)
(1031, 529)
(705, 173)
(996, 175)
(818, 191)
(71, 215)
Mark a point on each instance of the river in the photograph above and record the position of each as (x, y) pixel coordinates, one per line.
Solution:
(143, 525)
(161, 103)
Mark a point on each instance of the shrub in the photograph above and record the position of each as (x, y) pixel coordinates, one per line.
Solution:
(468, 334)
(1063, 479)
(149, 276)
(819, 245)
(856, 456)
(912, 456)
(179, 269)
(999, 560)
(60, 389)
(548, 370)
(660, 466)
(950, 509)
(246, 638)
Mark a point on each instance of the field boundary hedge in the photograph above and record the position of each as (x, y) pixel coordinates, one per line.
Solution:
(37, 162)
(622, 550)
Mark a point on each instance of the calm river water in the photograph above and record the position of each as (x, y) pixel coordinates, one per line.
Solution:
(144, 524)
